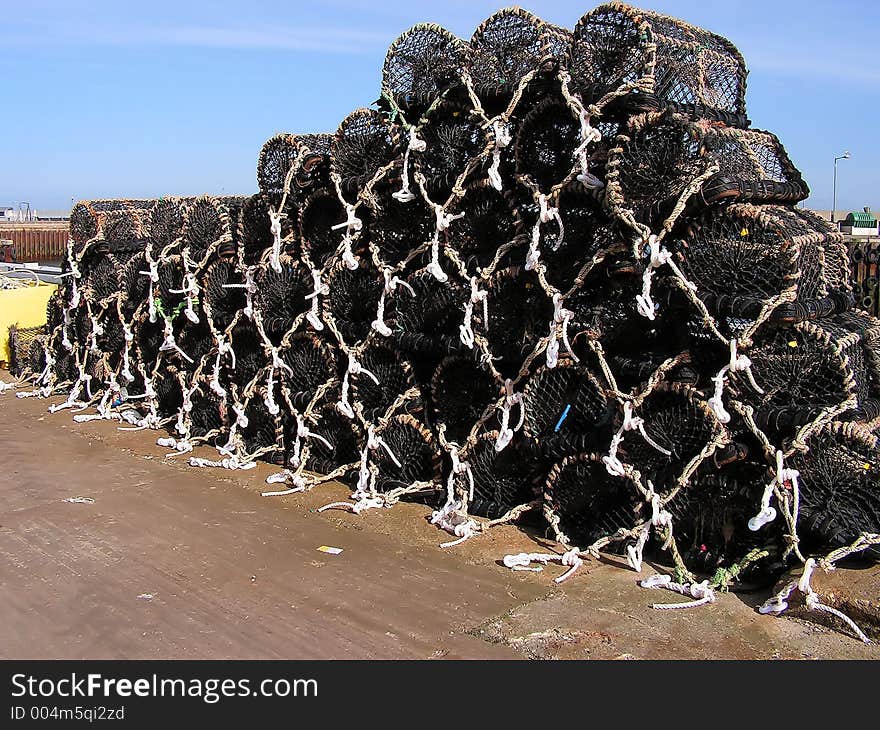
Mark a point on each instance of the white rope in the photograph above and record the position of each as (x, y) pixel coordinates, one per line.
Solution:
(503, 138)
(153, 274)
(190, 287)
(521, 561)
(405, 195)
(737, 364)
(231, 463)
(65, 339)
(505, 434)
(391, 284)
(181, 446)
(453, 519)
(561, 319)
(434, 267)
(635, 552)
(71, 398)
(374, 442)
(459, 466)
(778, 603)
(702, 593)
(354, 368)
(659, 256)
(46, 375)
(783, 476)
(169, 343)
(443, 221)
(659, 518)
(300, 483)
(630, 423)
(303, 432)
(361, 504)
(250, 288)
(465, 330)
(352, 222)
(275, 227)
(276, 364)
(589, 135)
(126, 361)
(318, 289)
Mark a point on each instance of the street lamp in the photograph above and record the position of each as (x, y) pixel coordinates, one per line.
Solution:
(845, 156)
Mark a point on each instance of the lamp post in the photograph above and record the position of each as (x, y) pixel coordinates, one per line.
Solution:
(844, 156)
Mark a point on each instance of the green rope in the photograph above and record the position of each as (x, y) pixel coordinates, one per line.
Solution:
(725, 576)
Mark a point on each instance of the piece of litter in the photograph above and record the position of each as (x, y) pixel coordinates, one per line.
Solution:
(145, 597)
(79, 500)
(331, 550)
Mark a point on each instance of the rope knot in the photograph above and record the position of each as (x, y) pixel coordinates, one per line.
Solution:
(505, 433)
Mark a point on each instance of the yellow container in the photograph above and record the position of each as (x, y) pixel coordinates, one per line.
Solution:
(25, 307)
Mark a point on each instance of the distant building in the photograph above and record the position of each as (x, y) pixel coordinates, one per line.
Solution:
(23, 213)
(860, 223)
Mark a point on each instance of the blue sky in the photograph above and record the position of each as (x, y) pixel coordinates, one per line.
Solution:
(110, 99)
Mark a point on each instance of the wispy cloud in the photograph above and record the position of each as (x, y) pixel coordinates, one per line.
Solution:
(322, 39)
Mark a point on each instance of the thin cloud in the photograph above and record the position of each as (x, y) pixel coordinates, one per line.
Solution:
(317, 39)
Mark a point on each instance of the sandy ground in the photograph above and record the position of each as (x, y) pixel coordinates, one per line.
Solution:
(175, 562)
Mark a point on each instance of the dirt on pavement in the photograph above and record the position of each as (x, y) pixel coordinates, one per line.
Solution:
(162, 560)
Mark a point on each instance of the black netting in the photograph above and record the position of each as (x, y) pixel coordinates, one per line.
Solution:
(566, 410)
(135, 284)
(427, 321)
(453, 139)
(590, 503)
(208, 414)
(679, 426)
(509, 45)
(313, 171)
(263, 430)
(393, 373)
(221, 300)
(491, 220)
(421, 64)
(461, 391)
(211, 226)
(694, 70)
(342, 435)
(588, 230)
(413, 446)
(711, 519)
(196, 341)
(277, 156)
(26, 349)
(250, 355)
(364, 143)
(312, 363)
(255, 234)
(519, 312)
(166, 222)
(399, 228)
(321, 213)
(354, 301)
(502, 479)
(147, 340)
(546, 144)
(839, 492)
(281, 296)
(101, 277)
(800, 375)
